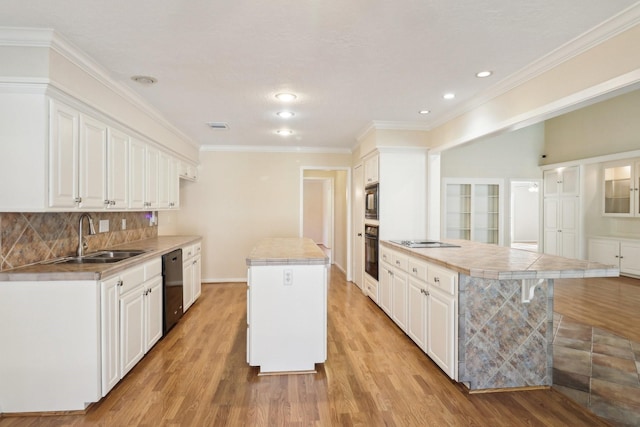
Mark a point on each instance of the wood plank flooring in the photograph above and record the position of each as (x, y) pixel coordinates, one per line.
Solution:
(609, 303)
(374, 376)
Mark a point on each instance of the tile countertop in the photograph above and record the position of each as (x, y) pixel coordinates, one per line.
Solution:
(286, 251)
(499, 262)
(154, 248)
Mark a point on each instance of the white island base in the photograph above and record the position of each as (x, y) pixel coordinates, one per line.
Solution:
(287, 311)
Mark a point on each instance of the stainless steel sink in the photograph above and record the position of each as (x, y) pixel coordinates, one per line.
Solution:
(100, 257)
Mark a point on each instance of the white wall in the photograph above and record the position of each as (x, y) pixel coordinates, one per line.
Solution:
(511, 156)
(240, 198)
(525, 213)
(314, 211)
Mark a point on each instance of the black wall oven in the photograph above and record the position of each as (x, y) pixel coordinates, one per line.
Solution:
(371, 201)
(371, 250)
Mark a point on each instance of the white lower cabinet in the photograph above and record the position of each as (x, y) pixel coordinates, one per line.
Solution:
(422, 299)
(191, 274)
(417, 312)
(384, 287)
(110, 334)
(371, 288)
(140, 304)
(441, 333)
(622, 253)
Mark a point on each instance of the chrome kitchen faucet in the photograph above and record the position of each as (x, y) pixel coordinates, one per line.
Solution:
(82, 245)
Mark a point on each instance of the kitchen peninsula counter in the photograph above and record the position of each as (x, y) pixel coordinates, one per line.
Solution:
(500, 325)
(154, 248)
(286, 305)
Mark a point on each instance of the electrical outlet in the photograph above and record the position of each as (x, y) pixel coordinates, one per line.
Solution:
(124, 223)
(288, 277)
(103, 226)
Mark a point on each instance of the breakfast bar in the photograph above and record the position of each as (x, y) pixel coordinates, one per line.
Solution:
(502, 334)
(286, 306)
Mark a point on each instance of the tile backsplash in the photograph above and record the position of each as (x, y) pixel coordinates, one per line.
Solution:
(26, 238)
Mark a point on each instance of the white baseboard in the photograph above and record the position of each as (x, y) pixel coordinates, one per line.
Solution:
(222, 280)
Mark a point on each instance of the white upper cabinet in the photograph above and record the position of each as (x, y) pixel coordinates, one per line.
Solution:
(93, 163)
(63, 156)
(137, 174)
(151, 178)
(74, 158)
(562, 182)
(621, 188)
(371, 170)
(117, 170)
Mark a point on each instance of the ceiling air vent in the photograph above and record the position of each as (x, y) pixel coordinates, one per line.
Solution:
(218, 125)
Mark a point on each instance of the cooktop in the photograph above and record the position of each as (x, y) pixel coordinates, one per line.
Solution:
(423, 244)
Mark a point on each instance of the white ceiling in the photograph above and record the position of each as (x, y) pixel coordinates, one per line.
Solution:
(350, 62)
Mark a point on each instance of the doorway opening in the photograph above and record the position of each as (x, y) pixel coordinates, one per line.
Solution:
(325, 209)
(525, 215)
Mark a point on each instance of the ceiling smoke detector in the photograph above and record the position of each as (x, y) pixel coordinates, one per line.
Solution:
(144, 80)
(218, 125)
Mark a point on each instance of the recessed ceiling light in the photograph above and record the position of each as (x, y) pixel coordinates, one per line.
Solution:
(286, 97)
(285, 114)
(449, 95)
(145, 80)
(485, 73)
(218, 125)
(284, 132)
(424, 111)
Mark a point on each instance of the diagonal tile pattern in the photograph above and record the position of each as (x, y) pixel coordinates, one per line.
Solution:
(26, 238)
(597, 369)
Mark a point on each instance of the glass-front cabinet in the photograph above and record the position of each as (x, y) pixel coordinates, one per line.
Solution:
(620, 188)
(473, 210)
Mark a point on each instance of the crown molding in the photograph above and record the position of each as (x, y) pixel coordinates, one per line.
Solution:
(273, 149)
(391, 125)
(46, 37)
(604, 31)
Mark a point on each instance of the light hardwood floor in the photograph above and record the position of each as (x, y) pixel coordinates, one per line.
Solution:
(608, 303)
(374, 376)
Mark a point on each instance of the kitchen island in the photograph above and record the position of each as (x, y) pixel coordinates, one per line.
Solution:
(286, 306)
(494, 305)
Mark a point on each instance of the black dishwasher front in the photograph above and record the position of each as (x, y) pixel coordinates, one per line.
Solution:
(172, 278)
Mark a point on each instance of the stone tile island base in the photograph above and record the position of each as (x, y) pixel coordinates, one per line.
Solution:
(503, 342)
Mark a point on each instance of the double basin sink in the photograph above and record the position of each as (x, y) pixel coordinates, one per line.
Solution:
(100, 257)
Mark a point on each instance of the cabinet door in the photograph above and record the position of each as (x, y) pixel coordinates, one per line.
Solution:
(153, 312)
(371, 170)
(164, 181)
(93, 164)
(569, 208)
(604, 251)
(417, 313)
(197, 278)
(151, 171)
(551, 226)
(63, 156)
(399, 299)
(187, 284)
(137, 174)
(174, 184)
(441, 312)
(570, 181)
(384, 288)
(132, 334)
(630, 258)
(117, 170)
(618, 185)
(551, 183)
(109, 322)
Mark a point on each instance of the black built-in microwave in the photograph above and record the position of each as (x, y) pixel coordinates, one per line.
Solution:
(371, 201)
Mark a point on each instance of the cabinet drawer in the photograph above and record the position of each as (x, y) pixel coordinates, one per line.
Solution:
(417, 269)
(187, 252)
(400, 260)
(442, 279)
(386, 255)
(131, 278)
(371, 289)
(197, 249)
(153, 269)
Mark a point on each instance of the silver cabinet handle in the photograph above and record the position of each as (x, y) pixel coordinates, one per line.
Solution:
(415, 270)
(119, 283)
(436, 279)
